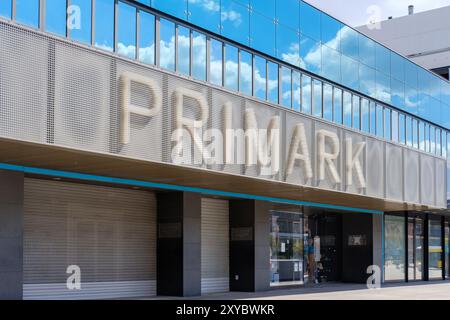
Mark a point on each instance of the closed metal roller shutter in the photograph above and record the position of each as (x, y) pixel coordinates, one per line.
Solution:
(215, 246)
(110, 233)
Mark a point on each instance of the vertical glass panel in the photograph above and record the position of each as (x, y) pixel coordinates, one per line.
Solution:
(167, 44)
(310, 21)
(27, 12)
(365, 116)
(337, 106)
(398, 93)
(409, 134)
(447, 249)
(286, 87)
(415, 249)
(331, 62)
(444, 144)
(327, 102)
(296, 90)
(310, 54)
(366, 51)
(367, 83)
(422, 135)
(415, 133)
(383, 59)
(199, 56)
(438, 141)
(373, 118)
(347, 109)
(55, 16)
(288, 13)
(411, 100)
(104, 24)
(350, 74)
(387, 124)
(394, 248)
(288, 45)
(231, 67)
(380, 121)
(401, 128)
(198, 10)
(286, 248)
(177, 8)
(317, 98)
(82, 32)
(435, 262)
(246, 70)
(432, 139)
(272, 94)
(356, 112)
(262, 33)
(266, 8)
(260, 78)
(6, 9)
(146, 37)
(411, 74)
(126, 37)
(397, 66)
(427, 137)
(235, 21)
(331, 32)
(383, 87)
(184, 50)
(349, 43)
(306, 94)
(394, 117)
(216, 62)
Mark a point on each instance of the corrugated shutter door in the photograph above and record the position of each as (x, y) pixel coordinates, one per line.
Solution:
(215, 246)
(110, 233)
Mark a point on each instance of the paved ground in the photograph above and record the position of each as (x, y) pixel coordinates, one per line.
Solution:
(417, 291)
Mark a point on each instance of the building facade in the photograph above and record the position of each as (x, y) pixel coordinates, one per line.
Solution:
(182, 148)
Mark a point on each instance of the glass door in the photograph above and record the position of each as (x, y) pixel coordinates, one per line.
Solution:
(394, 248)
(435, 262)
(415, 249)
(447, 252)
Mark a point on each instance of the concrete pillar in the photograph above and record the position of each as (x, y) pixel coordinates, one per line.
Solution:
(11, 235)
(249, 246)
(178, 244)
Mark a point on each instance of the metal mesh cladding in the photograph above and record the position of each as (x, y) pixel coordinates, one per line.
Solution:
(55, 91)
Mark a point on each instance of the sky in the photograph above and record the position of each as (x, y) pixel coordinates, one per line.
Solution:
(360, 12)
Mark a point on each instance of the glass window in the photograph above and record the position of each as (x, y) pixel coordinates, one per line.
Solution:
(398, 93)
(272, 93)
(235, 21)
(447, 249)
(245, 78)
(198, 10)
(432, 139)
(286, 87)
(184, 50)
(415, 133)
(317, 102)
(55, 16)
(266, 8)
(411, 74)
(80, 31)
(126, 38)
(6, 8)
(199, 56)
(260, 77)
(394, 117)
(394, 248)
(262, 33)
(327, 102)
(347, 109)
(409, 135)
(366, 51)
(146, 37)
(356, 112)
(331, 32)
(365, 116)
(337, 106)
(380, 121)
(104, 24)
(216, 62)
(383, 87)
(383, 59)
(231, 67)
(422, 135)
(397, 67)
(415, 248)
(296, 90)
(310, 21)
(387, 124)
(167, 44)
(288, 45)
(350, 74)
(310, 54)
(401, 128)
(349, 43)
(427, 137)
(444, 144)
(373, 118)
(435, 249)
(287, 12)
(438, 142)
(411, 100)
(367, 83)
(177, 8)
(306, 94)
(27, 12)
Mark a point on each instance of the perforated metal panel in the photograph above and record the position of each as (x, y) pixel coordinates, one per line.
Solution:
(215, 246)
(412, 175)
(109, 233)
(394, 172)
(375, 174)
(427, 180)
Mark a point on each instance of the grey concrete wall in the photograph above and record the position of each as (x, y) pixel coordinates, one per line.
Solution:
(262, 246)
(11, 235)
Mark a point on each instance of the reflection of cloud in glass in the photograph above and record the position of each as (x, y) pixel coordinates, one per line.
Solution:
(167, 53)
(126, 51)
(232, 16)
(293, 54)
(208, 5)
(147, 54)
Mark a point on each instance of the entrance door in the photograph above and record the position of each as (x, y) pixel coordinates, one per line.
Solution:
(415, 248)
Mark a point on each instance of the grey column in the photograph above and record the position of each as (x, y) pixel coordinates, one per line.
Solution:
(11, 235)
(378, 242)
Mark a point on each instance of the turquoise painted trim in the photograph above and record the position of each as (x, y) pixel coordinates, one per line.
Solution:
(146, 184)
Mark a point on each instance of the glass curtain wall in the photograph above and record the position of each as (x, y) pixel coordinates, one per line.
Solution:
(447, 248)
(435, 262)
(394, 248)
(415, 248)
